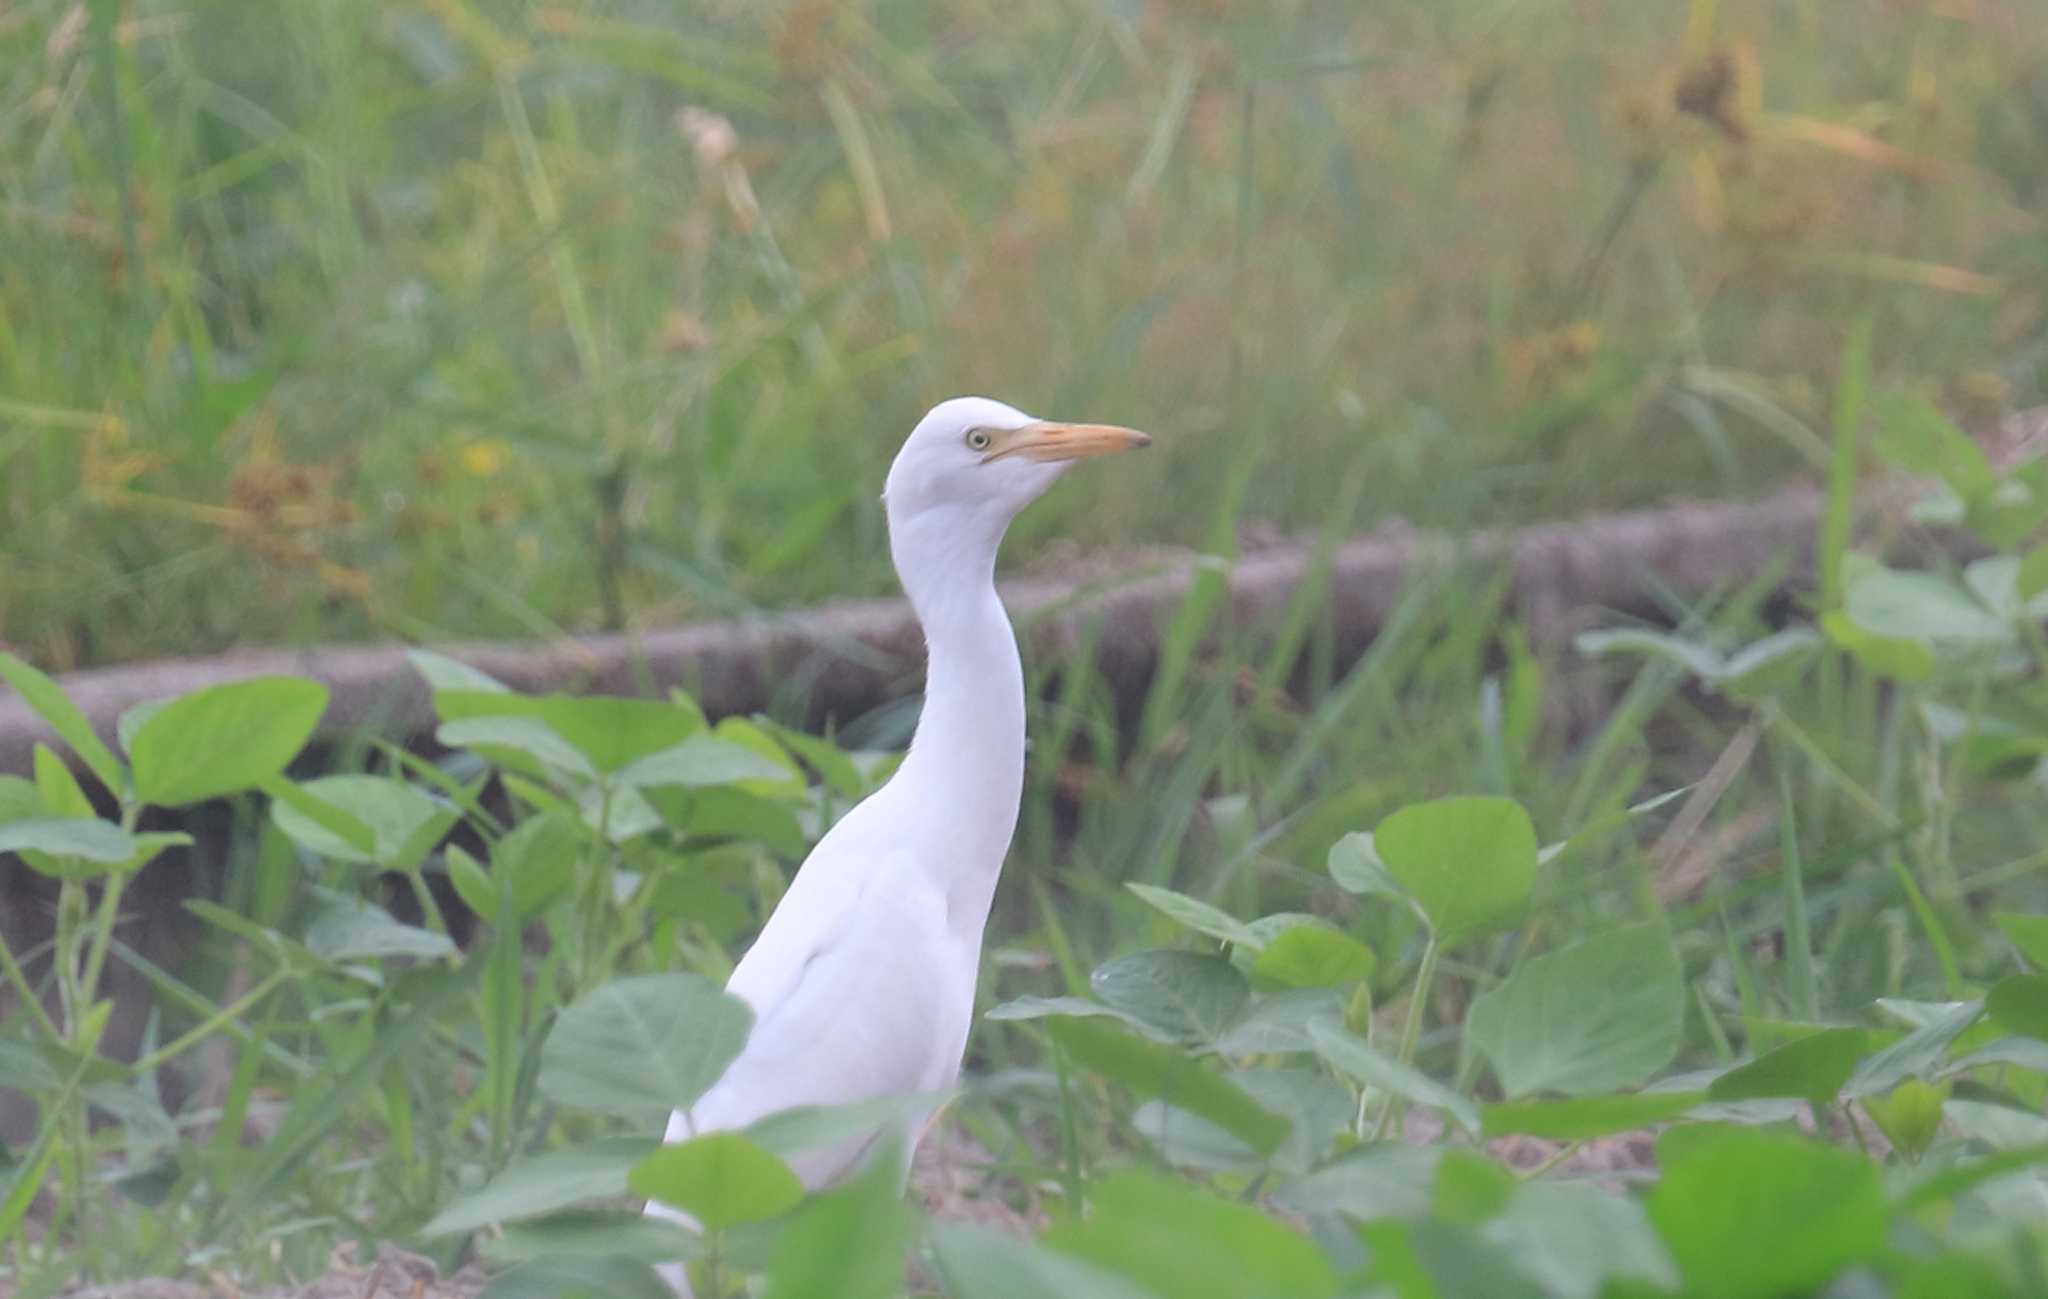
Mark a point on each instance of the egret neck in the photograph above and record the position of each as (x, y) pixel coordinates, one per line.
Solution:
(968, 754)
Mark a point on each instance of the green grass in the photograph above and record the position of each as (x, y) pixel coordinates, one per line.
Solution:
(431, 320)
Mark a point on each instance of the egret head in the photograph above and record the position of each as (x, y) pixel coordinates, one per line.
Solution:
(972, 463)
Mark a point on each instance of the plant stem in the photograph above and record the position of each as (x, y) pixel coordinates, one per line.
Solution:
(1411, 1032)
(197, 1033)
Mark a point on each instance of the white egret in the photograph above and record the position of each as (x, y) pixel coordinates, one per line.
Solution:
(862, 981)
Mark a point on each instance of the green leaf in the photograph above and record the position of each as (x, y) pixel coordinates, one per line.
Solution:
(23, 1068)
(1434, 1259)
(524, 744)
(221, 740)
(133, 718)
(698, 761)
(544, 1183)
(1923, 607)
(1316, 1105)
(1354, 863)
(2018, 1004)
(1389, 1180)
(1280, 1022)
(1702, 660)
(1198, 916)
(1351, 1055)
(980, 1264)
(1917, 1054)
(350, 929)
(720, 1178)
(58, 787)
(1915, 436)
(577, 1276)
(1025, 1008)
(339, 826)
(1895, 657)
(1813, 1068)
(1910, 1116)
(1754, 1214)
(2028, 933)
(1150, 1069)
(1185, 995)
(1772, 663)
(538, 860)
(79, 848)
(641, 1046)
(443, 673)
(591, 1233)
(791, 1132)
(472, 883)
(2032, 578)
(1575, 1241)
(1585, 1117)
(1469, 862)
(50, 702)
(847, 1243)
(1470, 1188)
(1599, 1015)
(614, 732)
(403, 821)
(1176, 1241)
(1314, 956)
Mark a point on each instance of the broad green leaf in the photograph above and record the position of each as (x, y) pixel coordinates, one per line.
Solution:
(1198, 916)
(59, 788)
(1468, 862)
(729, 812)
(1389, 1180)
(1186, 995)
(720, 1178)
(1915, 436)
(1354, 863)
(339, 825)
(977, 1263)
(1813, 1068)
(2020, 1052)
(1314, 956)
(1896, 657)
(847, 1243)
(1599, 1015)
(20, 801)
(472, 883)
(700, 760)
(834, 765)
(443, 673)
(1749, 1213)
(80, 849)
(640, 1046)
(1924, 607)
(2032, 577)
(1431, 1258)
(350, 929)
(1024, 1008)
(221, 740)
(404, 821)
(1584, 1117)
(1917, 1054)
(2026, 932)
(591, 1233)
(50, 702)
(133, 718)
(521, 743)
(745, 734)
(570, 1276)
(1574, 1241)
(1176, 1241)
(1152, 1070)
(1316, 1105)
(1280, 1022)
(1350, 1054)
(23, 1068)
(544, 1183)
(614, 732)
(1910, 1115)
(2018, 1004)
(1470, 1188)
(537, 860)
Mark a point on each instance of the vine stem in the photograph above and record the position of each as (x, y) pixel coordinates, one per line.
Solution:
(1411, 1032)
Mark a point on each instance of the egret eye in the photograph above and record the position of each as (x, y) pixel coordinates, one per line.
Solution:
(978, 439)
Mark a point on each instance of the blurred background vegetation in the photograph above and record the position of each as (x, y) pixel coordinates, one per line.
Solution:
(451, 318)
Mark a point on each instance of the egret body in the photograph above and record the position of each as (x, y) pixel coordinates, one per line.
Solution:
(862, 982)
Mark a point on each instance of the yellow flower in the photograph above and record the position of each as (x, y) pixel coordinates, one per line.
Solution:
(484, 457)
